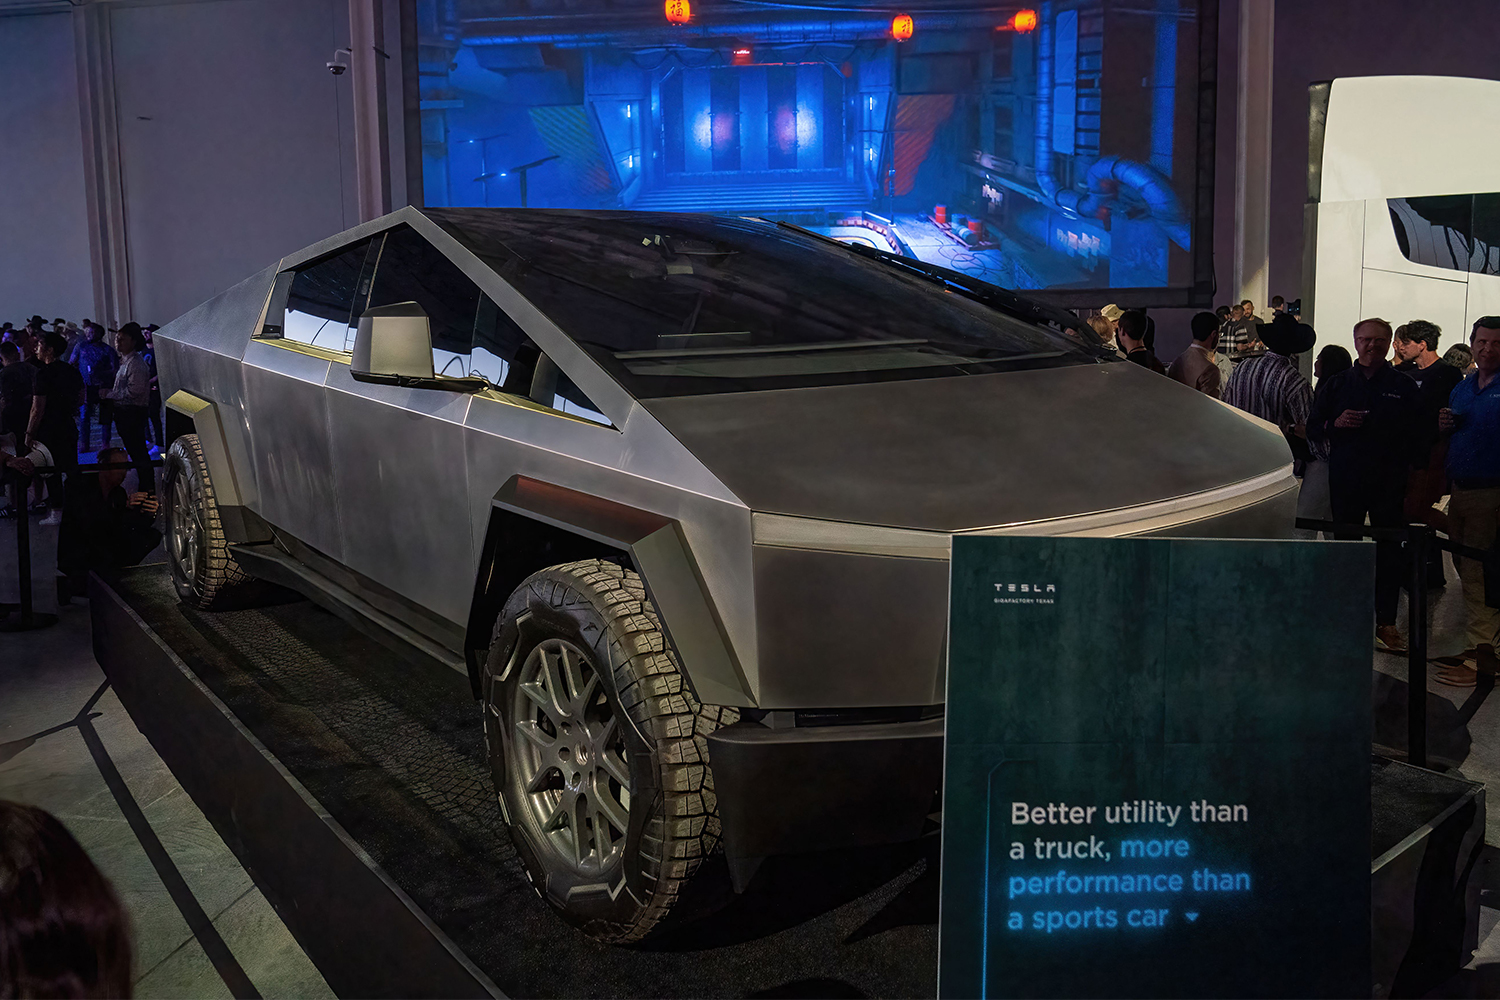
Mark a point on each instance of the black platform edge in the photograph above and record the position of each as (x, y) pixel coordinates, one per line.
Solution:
(364, 934)
(1423, 891)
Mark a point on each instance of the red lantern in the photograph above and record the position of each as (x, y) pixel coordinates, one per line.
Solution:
(679, 11)
(901, 27)
(1023, 21)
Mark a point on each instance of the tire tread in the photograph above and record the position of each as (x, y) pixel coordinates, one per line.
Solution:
(221, 571)
(650, 688)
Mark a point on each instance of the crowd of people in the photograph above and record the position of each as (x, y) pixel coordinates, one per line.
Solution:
(58, 383)
(1393, 435)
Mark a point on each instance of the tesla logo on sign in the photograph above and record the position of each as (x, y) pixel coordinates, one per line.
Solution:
(1025, 593)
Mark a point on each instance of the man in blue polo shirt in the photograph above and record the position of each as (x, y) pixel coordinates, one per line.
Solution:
(1473, 419)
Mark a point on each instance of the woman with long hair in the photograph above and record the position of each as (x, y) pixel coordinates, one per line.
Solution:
(62, 930)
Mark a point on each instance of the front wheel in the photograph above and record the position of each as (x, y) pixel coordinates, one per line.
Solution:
(202, 566)
(598, 749)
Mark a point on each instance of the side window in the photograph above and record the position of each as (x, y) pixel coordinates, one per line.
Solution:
(1486, 256)
(471, 335)
(320, 303)
(1458, 232)
(409, 269)
(497, 341)
(568, 398)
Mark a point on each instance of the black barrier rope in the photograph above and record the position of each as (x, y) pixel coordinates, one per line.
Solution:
(29, 618)
(1419, 539)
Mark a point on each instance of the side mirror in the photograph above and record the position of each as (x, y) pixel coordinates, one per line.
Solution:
(393, 341)
(393, 346)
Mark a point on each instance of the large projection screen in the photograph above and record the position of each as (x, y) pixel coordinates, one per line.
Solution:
(1065, 149)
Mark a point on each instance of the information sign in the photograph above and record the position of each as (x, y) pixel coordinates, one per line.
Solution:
(1157, 769)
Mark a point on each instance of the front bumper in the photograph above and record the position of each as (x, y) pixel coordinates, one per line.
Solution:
(812, 788)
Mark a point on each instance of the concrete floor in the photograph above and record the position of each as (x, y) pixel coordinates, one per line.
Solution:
(199, 925)
(49, 677)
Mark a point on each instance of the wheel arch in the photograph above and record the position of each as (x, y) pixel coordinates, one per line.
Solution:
(534, 525)
(187, 413)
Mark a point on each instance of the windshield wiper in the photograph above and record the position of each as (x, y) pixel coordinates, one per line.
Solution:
(997, 298)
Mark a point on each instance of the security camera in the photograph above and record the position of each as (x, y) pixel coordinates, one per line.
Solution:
(340, 62)
(337, 69)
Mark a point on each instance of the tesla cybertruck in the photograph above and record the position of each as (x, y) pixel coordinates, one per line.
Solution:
(677, 493)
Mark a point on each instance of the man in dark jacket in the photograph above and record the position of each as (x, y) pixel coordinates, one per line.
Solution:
(17, 379)
(103, 528)
(1132, 332)
(1370, 418)
(1416, 346)
(54, 400)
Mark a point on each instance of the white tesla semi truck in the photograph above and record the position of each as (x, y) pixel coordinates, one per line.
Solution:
(1403, 206)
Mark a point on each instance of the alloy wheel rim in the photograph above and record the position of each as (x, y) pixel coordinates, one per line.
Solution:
(571, 764)
(184, 531)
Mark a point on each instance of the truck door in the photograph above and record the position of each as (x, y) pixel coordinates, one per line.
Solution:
(398, 453)
(307, 335)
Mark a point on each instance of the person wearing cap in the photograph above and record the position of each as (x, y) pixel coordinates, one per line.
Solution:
(131, 394)
(1460, 357)
(1195, 367)
(28, 339)
(1111, 314)
(1370, 418)
(1270, 386)
(72, 335)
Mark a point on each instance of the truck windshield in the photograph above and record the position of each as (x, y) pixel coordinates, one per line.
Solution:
(686, 305)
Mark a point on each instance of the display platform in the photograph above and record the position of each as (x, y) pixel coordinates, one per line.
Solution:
(1426, 837)
(352, 785)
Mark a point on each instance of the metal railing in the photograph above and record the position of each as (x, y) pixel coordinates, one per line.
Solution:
(1419, 540)
(29, 618)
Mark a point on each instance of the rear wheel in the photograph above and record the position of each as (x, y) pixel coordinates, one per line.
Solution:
(202, 566)
(598, 749)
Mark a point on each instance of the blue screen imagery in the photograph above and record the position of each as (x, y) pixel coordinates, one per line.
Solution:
(1044, 147)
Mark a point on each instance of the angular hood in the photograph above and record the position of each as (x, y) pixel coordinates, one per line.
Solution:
(949, 454)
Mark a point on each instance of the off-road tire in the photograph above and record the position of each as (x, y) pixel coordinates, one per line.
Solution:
(601, 610)
(202, 566)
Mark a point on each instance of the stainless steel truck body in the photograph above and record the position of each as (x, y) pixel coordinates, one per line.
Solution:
(666, 472)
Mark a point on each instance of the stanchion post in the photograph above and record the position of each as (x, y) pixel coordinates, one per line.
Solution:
(29, 619)
(23, 546)
(1417, 544)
